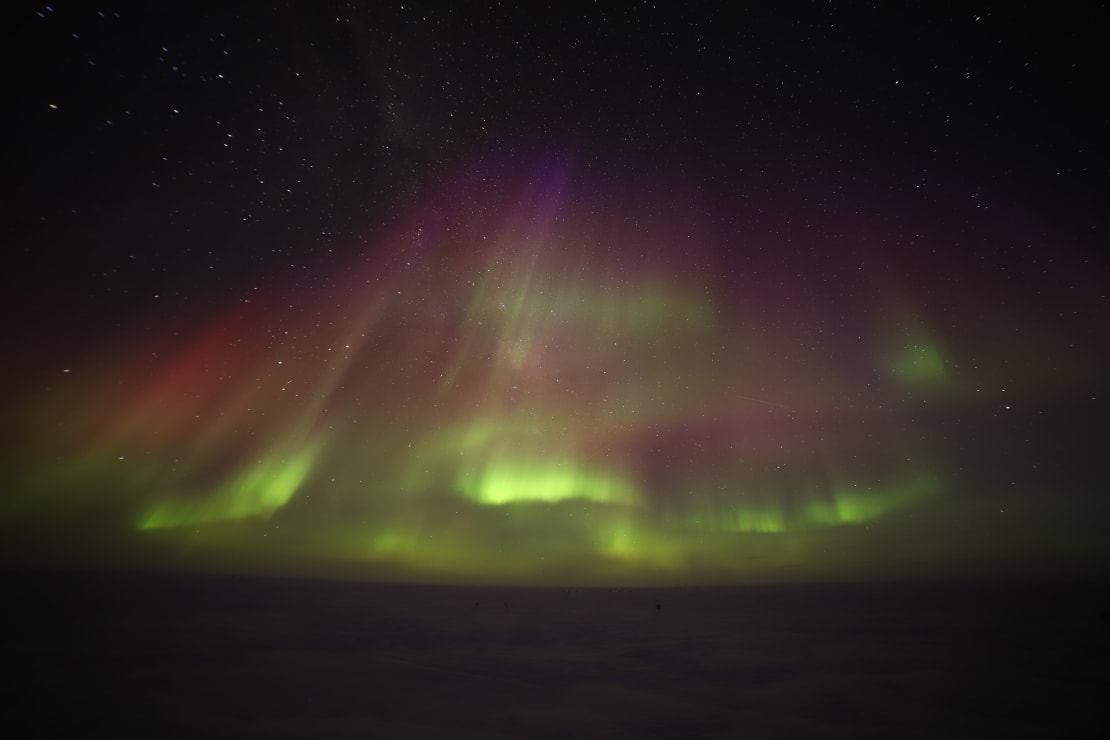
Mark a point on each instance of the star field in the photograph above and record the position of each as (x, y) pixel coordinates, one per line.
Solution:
(630, 294)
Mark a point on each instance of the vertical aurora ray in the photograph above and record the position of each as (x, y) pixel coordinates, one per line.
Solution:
(487, 305)
(554, 414)
(257, 491)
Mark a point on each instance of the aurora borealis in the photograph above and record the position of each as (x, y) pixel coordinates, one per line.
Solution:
(599, 330)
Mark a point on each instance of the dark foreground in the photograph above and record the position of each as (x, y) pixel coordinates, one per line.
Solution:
(161, 656)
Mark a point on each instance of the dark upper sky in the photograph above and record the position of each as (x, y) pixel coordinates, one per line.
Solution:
(588, 293)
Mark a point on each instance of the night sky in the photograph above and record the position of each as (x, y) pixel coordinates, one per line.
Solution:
(588, 294)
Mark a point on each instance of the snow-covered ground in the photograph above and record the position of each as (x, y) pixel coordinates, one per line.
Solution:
(183, 656)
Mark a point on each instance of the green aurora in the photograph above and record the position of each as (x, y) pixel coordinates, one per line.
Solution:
(535, 395)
